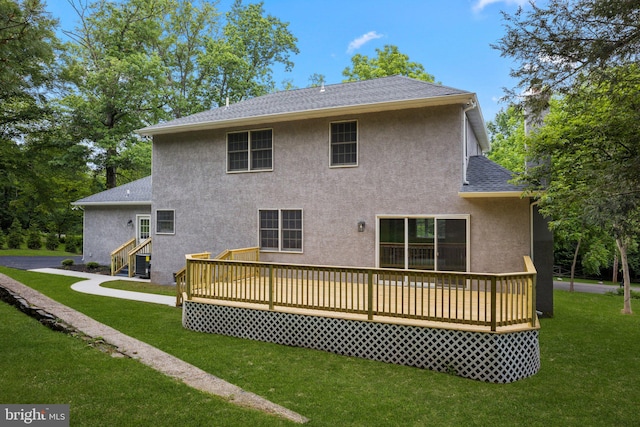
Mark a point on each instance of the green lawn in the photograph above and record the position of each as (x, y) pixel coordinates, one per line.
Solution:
(24, 251)
(590, 357)
(150, 288)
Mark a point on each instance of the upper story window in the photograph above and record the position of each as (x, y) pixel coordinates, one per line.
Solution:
(344, 143)
(250, 151)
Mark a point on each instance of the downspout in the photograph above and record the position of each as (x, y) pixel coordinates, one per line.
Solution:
(465, 157)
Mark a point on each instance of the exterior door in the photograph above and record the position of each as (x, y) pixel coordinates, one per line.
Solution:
(143, 228)
(423, 243)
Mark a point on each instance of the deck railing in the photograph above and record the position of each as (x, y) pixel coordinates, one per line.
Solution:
(482, 299)
(120, 256)
(145, 248)
(245, 254)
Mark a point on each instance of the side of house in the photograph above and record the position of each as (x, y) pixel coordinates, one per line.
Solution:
(382, 173)
(113, 217)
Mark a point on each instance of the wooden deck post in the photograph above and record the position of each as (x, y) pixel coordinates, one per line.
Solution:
(188, 278)
(271, 279)
(494, 297)
(370, 295)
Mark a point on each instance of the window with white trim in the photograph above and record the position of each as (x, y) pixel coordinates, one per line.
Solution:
(280, 230)
(344, 143)
(165, 222)
(250, 151)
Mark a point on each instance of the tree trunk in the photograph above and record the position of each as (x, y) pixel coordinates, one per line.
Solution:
(110, 168)
(622, 248)
(614, 279)
(573, 264)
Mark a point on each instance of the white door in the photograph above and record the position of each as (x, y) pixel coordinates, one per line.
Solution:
(143, 228)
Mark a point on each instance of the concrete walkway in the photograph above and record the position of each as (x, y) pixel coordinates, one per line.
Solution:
(93, 282)
(59, 316)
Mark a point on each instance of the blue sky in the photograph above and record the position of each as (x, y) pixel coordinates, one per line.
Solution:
(450, 38)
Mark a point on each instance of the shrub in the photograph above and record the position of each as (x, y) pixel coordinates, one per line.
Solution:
(15, 237)
(620, 292)
(1, 239)
(70, 245)
(34, 239)
(52, 242)
(67, 262)
(92, 265)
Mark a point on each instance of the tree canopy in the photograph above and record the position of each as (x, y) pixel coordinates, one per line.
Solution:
(558, 41)
(506, 132)
(68, 111)
(582, 55)
(389, 61)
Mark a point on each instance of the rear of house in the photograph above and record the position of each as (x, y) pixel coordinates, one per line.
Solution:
(382, 173)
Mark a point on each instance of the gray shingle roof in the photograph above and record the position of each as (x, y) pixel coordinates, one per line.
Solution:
(486, 176)
(331, 98)
(135, 192)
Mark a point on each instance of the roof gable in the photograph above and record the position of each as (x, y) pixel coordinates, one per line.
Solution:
(133, 193)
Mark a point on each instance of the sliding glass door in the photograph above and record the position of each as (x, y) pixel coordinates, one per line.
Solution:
(423, 243)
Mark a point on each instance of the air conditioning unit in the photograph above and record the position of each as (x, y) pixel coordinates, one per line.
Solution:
(143, 265)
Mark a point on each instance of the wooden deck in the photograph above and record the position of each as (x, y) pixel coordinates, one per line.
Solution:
(463, 307)
(458, 300)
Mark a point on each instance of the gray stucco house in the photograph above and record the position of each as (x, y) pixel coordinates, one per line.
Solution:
(384, 173)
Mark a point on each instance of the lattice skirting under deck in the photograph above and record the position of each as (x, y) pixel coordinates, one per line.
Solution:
(496, 358)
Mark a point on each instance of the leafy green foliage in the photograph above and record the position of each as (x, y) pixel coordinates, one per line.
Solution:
(507, 139)
(15, 238)
(117, 77)
(388, 62)
(67, 262)
(51, 242)
(238, 64)
(592, 138)
(563, 40)
(71, 245)
(34, 238)
(27, 43)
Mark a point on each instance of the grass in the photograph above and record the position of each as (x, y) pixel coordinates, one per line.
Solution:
(42, 366)
(150, 288)
(589, 376)
(24, 251)
(591, 281)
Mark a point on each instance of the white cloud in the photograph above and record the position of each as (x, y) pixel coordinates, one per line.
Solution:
(481, 4)
(357, 43)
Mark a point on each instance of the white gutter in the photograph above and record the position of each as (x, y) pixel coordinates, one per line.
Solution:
(465, 154)
(124, 203)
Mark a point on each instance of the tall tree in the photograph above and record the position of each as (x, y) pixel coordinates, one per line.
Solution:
(587, 51)
(27, 74)
(118, 78)
(137, 62)
(562, 39)
(388, 62)
(593, 135)
(185, 31)
(238, 65)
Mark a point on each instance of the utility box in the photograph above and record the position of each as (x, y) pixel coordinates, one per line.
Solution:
(143, 265)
